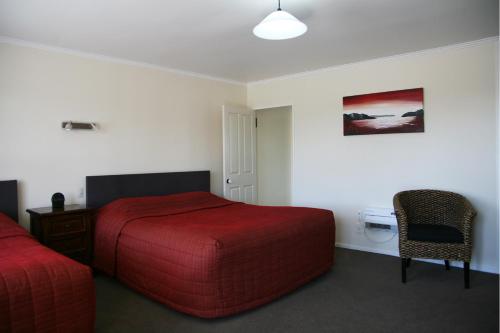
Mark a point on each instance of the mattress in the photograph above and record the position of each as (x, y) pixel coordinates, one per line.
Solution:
(210, 257)
(41, 290)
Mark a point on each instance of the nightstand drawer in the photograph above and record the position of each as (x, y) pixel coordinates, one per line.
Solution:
(67, 225)
(68, 244)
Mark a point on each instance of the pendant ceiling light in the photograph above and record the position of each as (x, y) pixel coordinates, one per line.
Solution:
(279, 25)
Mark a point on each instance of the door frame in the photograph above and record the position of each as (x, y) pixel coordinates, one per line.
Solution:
(292, 157)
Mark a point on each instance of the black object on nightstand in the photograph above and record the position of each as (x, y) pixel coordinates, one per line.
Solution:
(66, 230)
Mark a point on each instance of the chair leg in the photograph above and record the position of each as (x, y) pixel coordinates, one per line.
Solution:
(467, 275)
(408, 262)
(403, 270)
(447, 264)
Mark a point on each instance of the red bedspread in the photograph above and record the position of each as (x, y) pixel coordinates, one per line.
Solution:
(211, 257)
(41, 290)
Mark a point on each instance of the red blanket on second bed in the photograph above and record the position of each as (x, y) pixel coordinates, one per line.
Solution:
(211, 257)
(118, 213)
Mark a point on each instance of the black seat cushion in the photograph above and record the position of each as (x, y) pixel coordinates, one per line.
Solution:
(434, 233)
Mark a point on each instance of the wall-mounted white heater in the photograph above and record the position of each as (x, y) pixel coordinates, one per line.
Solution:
(379, 218)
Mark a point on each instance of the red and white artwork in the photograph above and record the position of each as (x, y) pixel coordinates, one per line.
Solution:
(400, 111)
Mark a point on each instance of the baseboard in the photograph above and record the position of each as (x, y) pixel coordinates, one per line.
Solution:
(481, 268)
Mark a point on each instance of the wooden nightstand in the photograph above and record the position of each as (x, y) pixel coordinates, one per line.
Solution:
(68, 230)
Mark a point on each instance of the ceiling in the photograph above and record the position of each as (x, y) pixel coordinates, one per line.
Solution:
(215, 37)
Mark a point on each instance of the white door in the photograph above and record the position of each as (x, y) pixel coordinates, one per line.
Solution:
(239, 156)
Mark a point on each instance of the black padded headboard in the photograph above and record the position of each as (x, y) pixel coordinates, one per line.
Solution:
(8, 198)
(104, 189)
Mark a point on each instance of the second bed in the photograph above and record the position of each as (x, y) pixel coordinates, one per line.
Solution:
(202, 254)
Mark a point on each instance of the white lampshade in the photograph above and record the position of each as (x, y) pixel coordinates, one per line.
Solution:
(279, 25)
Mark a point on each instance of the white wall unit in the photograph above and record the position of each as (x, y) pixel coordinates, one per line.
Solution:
(379, 215)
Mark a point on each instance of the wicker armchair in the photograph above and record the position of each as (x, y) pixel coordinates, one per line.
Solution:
(435, 225)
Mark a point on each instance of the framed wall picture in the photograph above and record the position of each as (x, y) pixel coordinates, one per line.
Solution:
(400, 111)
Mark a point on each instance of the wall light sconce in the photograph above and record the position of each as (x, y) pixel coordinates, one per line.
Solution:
(69, 126)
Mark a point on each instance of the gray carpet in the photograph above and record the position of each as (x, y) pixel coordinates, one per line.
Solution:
(362, 293)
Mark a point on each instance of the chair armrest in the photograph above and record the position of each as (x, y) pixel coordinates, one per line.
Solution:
(466, 222)
(401, 217)
(469, 212)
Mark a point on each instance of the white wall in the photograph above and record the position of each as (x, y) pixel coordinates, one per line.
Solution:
(457, 152)
(274, 156)
(151, 121)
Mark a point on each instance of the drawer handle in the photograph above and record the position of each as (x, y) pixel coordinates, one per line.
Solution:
(67, 225)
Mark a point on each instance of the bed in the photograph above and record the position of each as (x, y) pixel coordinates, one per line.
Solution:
(40, 290)
(166, 236)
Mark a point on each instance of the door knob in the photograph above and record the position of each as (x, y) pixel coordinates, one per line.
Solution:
(228, 181)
